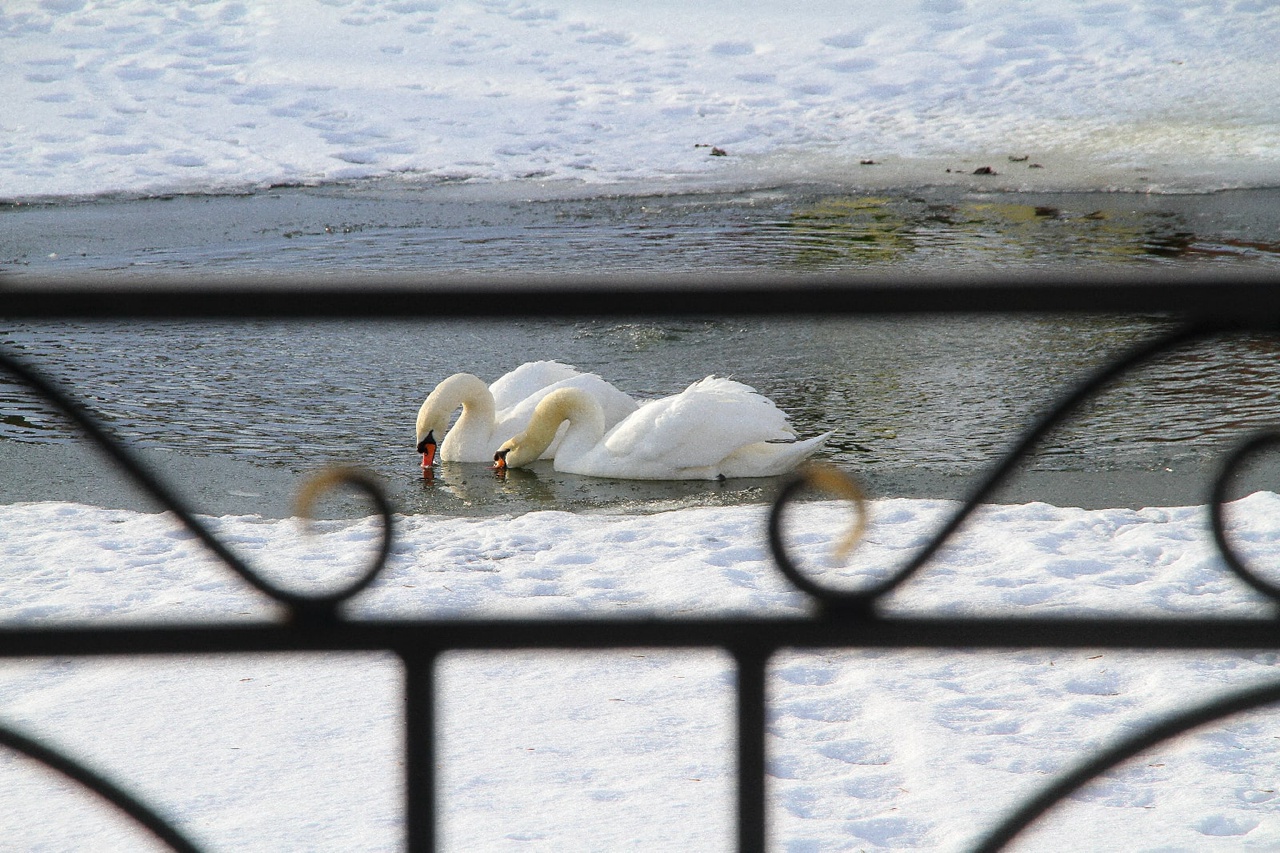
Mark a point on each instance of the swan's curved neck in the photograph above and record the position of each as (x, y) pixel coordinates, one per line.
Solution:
(460, 389)
(586, 426)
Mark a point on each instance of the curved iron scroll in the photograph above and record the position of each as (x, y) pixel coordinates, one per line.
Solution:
(1253, 446)
(860, 603)
(1157, 733)
(302, 608)
(101, 786)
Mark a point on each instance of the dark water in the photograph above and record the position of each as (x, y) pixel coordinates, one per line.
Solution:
(443, 229)
(913, 401)
(235, 413)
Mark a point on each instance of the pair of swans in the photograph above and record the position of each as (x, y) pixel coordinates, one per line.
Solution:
(715, 428)
(491, 414)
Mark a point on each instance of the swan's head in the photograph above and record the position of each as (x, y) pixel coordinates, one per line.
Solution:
(428, 446)
(514, 453)
(460, 389)
(572, 404)
(433, 422)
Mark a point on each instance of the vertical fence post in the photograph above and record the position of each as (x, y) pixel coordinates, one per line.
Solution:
(420, 751)
(751, 753)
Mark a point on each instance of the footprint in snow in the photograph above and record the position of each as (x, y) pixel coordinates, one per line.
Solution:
(1227, 825)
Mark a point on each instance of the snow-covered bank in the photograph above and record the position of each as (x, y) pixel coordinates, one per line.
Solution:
(128, 96)
(868, 750)
(71, 562)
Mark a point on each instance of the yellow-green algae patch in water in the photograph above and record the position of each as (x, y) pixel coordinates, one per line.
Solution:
(839, 232)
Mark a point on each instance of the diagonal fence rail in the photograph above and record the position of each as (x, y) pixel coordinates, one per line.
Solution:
(1203, 308)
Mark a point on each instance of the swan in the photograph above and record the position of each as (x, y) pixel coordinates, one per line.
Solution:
(715, 428)
(493, 413)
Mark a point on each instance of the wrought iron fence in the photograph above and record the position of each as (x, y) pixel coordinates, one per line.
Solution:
(1204, 307)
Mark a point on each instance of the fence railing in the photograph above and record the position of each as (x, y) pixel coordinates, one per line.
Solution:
(1203, 307)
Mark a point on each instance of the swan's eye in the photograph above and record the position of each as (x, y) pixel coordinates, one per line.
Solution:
(429, 441)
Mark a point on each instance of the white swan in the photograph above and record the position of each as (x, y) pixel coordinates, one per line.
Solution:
(714, 428)
(492, 414)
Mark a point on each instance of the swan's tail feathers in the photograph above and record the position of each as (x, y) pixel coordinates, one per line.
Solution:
(770, 458)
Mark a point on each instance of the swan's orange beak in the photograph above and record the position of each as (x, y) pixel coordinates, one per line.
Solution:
(427, 447)
(500, 461)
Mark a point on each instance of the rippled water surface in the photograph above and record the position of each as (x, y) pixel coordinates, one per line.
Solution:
(947, 395)
(380, 227)
(944, 395)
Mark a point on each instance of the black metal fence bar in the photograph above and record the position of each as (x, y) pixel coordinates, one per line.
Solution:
(1205, 305)
(751, 704)
(1253, 300)
(420, 748)
(751, 636)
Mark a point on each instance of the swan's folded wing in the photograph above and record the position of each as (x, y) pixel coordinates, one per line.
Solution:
(615, 404)
(526, 379)
(699, 426)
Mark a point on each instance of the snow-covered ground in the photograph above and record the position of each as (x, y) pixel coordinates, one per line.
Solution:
(630, 750)
(135, 96)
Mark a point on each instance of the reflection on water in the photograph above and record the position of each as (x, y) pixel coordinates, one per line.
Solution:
(838, 232)
(870, 230)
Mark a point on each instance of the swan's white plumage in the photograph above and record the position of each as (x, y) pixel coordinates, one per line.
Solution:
(714, 428)
(692, 428)
(513, 388)
(494, 413)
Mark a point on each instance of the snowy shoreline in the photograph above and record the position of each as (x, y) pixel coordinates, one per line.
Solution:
(1054, 172)
(1034, 558)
